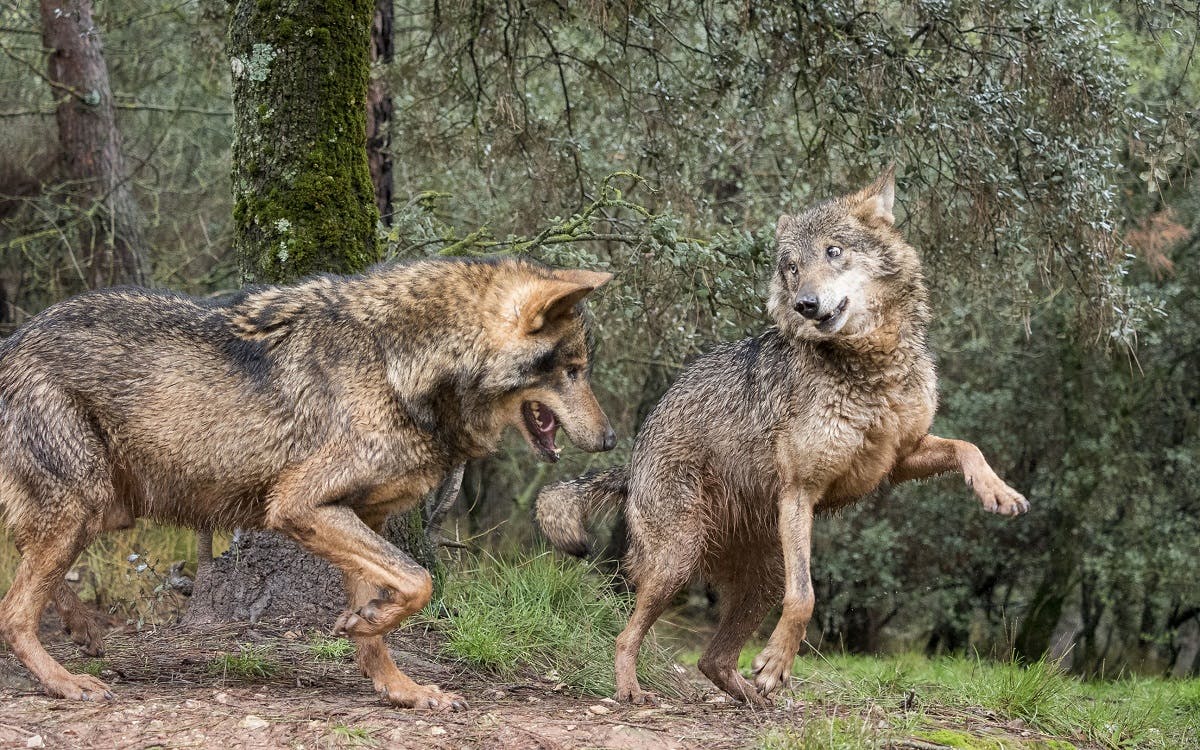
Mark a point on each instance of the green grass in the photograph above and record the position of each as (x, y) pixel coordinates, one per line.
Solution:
(324, 648)
(1128, 713)
(557, 618)
(249, 663)
(347, 736)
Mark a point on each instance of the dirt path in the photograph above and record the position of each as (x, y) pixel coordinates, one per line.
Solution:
(168, 695)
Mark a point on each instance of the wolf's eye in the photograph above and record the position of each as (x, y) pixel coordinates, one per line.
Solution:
(792, 269)
(833, 251)
(572, 373)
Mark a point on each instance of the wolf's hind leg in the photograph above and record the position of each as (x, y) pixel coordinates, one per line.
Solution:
(77, 621)
(935, 455)
(48, 553)
(660, 570)
(746, 593)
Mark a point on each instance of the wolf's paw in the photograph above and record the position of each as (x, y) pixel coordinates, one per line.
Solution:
(998, 497)
(88, 634)
(362, 623)
(78, 687)
(771, 668)
(427, 697)
(636, 696)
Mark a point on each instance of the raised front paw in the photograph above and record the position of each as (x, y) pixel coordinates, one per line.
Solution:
(366, 621)
(998, 497)
(772, 667)
(427, 697)
(78, 687)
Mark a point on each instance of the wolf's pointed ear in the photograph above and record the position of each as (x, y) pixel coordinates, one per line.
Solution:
(785, 223)
(551, 299)
(873, 204)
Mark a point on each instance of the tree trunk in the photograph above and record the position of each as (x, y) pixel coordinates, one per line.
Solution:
(110, 240)
(379, 110)
(303, 201)
(303, 204)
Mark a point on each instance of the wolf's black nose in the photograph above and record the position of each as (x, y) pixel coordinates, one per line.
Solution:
(808, 305)
(610, 439)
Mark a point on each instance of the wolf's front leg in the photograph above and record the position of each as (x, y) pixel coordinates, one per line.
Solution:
(773, 665)
(934, 455)
(383, 586)
(374, 612)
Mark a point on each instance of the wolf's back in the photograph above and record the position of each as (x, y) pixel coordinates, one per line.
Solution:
(564, 508)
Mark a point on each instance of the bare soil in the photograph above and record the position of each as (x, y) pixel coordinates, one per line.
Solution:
(170, 693)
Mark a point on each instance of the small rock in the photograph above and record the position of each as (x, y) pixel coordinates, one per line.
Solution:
(645, 713)
(532, 699)
(291, 635)
(559, 686)
(253, 722)
(571, 727)
(437, 731)
(599, 710)
(666, 707)
(610, 701)
(421, 723)
(222, 698)
(35, 741)
(496, 694)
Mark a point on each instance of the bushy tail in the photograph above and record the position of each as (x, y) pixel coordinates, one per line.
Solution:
(564, 508)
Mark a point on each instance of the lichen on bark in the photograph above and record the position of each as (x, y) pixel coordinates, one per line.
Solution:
(303, 198)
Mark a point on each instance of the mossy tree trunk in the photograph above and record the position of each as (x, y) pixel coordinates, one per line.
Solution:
(303, 200)
(303, 204)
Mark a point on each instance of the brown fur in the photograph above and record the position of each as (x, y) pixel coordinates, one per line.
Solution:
(756, 436)
(314, 410)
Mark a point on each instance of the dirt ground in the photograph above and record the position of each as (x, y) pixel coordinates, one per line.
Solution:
(168, 695)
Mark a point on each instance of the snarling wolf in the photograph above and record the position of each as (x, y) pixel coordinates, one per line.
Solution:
(314, 410)
(757, 435)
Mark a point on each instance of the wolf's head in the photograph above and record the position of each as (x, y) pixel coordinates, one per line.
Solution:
(543, 355)
(842, 270)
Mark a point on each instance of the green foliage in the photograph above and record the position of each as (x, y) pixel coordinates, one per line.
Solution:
(556, 618)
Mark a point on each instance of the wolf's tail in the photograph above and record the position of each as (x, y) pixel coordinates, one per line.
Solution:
(564, 508)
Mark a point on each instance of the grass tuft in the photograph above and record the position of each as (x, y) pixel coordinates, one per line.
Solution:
(348, 736)
(249, 663)
(559, 618)
(324, 648)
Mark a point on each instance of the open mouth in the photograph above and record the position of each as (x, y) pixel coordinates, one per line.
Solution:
(831, 321)
(541, 424)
